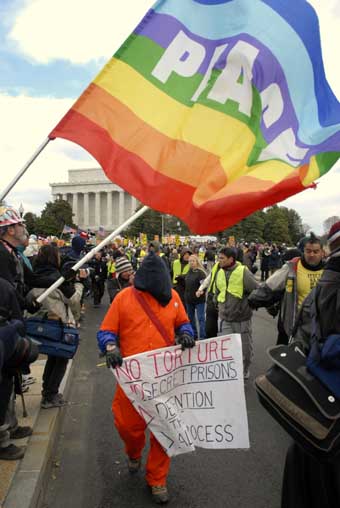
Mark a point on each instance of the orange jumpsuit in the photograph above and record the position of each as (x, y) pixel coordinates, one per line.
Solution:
(137, 334)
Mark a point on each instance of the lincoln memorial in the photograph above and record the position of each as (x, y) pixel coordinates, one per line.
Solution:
(94, 199)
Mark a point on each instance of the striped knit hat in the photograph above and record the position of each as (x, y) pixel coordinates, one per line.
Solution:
(123, 265)
(334, 233)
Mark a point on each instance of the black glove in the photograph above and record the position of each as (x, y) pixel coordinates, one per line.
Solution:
(114, 358)
(186, 341)
(31, 304)
(273, 310)
(69, 274)
(253, 305)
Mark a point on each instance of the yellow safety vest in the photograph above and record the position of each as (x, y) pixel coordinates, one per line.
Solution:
(111, 267)
(212, 285)
(235, 283)
(177, 269)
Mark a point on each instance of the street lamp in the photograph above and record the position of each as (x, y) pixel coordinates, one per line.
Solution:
(21, 210)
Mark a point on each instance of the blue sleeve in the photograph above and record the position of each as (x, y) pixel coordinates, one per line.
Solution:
(104, 337)
(185, 328)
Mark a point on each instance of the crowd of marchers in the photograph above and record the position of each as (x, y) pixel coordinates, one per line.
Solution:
(161, 295)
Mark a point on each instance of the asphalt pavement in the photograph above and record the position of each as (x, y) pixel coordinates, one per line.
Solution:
(89, 466)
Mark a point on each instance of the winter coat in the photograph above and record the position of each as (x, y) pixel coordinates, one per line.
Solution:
(237, 309)
(281, 286)
(193, 280)
(99, 269)
(59, 303)
(275, 261)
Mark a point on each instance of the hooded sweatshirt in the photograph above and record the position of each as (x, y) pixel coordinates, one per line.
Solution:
(153, 277)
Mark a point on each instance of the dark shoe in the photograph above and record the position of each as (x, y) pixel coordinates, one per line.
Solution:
(134, 465)
(12, 452)
(21, 432)
(56, 401)
(160, 494)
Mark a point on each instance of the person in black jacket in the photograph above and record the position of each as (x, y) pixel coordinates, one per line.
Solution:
(46, 272)
(13, 234)
(15, 352)
(195, 305)
(98, 275)
(308, 483)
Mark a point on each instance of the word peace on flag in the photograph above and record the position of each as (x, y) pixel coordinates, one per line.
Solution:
(190, 398)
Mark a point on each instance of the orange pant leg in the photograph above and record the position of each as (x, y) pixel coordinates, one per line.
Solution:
(131, 427)
(158, 463)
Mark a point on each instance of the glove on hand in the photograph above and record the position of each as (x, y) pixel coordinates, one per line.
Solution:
(69, 275)
(31, 304)
(253, 305)
(114, 358)
(186, 341)
(273, 310)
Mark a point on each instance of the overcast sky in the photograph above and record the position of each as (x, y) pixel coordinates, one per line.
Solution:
(50, 50)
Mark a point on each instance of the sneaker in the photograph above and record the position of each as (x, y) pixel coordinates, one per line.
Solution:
(20, 432)
(159, 494)
(12, 452)
(24, 388)
(134, 465)
(27, 379)
(56, 401)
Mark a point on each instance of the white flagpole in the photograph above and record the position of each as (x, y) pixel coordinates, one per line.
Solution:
(23, 170)
(96, 249)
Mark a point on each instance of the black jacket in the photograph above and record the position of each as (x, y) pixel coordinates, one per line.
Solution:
(14, 271)
(328, 298)
(45, 276)
(193, 280)
(326, 295)
(99, 269)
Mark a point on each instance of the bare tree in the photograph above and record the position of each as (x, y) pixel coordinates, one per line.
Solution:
(328, 223)
(306, 228)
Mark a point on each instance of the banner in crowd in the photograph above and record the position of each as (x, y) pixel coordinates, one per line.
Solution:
(227, 122)
(68, 229)
(190, 398)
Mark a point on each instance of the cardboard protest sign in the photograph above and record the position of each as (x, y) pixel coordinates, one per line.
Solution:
(190, 398)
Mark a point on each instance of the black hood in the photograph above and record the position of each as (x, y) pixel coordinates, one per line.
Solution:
(153, 277)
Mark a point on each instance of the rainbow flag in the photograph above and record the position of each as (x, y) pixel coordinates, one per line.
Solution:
(212, 109)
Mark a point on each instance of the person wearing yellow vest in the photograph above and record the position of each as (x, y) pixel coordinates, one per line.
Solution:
(234, 283)
(180, 268)
(290, 285)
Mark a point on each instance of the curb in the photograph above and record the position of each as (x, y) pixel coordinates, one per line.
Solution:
(30, 479)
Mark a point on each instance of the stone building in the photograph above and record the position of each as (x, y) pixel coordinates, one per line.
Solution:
(94, 199)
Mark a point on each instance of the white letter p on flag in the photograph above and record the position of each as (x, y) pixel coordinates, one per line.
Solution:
(184, 56)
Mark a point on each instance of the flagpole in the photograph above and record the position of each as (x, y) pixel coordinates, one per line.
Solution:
(96, 249)
(24, 169)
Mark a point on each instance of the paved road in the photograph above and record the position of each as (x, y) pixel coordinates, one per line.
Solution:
(89, 465)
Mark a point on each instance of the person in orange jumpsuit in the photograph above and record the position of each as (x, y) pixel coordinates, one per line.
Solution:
(128, 330)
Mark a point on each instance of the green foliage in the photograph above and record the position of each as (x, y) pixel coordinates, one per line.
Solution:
(276, 224)
(31, 222)
(53, 218)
